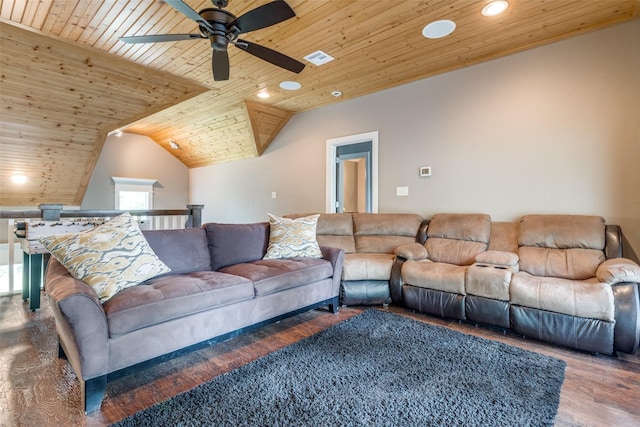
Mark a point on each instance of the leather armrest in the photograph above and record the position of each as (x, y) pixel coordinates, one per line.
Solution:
(395, 281)
(626, 337)
(415, 251)
(421, 236)
(613, 241)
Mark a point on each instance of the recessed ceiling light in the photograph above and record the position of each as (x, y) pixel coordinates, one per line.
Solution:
(495, 8)
(263, 94)
(173, 144)
(439, 29)
(288, 85)
(336, 93)
(19, 178)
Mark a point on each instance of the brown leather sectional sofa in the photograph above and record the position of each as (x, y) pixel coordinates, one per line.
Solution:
(557, 278)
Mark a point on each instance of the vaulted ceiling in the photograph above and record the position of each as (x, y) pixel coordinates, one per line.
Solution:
(67, 80)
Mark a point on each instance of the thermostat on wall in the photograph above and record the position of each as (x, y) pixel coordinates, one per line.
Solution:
(425, 171)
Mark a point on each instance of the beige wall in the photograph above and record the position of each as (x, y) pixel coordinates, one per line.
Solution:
(551, 130)
(137, 156)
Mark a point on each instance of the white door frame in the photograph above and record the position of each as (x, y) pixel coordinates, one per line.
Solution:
(332, 145)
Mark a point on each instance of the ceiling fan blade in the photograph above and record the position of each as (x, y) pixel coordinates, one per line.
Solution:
(160, 38)
(188, 12)
(263, 16)
(270, 55)
(220, 65)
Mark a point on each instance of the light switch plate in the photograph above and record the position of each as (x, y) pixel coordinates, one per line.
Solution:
(402, 191)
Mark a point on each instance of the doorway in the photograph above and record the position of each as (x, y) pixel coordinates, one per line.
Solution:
(352, 173)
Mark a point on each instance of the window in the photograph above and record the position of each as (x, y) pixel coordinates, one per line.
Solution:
(133, 193)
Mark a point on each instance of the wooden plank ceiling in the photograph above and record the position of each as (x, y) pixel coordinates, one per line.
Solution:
(67, 80)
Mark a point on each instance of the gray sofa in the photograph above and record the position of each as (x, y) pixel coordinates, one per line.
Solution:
(557, 278)
(219, 287)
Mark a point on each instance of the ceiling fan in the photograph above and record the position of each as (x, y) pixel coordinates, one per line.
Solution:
(223, 28)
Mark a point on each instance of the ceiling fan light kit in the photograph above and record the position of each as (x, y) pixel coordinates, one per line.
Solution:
(223, 28)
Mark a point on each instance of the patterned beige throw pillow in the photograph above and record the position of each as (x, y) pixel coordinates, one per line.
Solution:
(293, 238)
(109, 258)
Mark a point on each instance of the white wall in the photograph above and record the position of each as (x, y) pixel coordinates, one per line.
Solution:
(137, 156)
(551, 130)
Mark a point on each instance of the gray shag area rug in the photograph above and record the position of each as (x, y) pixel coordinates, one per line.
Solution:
(375, 369)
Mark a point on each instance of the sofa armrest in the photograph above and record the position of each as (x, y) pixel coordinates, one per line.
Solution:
(81, 322)
(501, 258)
(415, 251)
(336, 257)
(613, 241)
(618, 270)
(395, 281)
(626, 336)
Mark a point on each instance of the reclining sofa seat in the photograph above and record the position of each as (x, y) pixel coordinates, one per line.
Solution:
(366, 273)
(369, 241)
(562, 294)
(557, 278)
(432, 279)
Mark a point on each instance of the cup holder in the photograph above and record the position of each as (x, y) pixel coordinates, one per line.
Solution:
(499, 267)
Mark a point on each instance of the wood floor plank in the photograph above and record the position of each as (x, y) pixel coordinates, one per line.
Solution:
(38, 389)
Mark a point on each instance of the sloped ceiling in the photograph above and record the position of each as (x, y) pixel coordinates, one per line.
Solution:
(59, 100)
(67, 80)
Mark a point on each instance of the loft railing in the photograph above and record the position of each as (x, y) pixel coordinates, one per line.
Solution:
(159, 219)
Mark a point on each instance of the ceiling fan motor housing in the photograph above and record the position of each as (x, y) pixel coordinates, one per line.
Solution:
(218, 19)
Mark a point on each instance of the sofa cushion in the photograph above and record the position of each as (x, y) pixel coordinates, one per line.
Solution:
(469, 227)
(273, 275)
(336, 231)
(566, 246)
(451, 251)
(367, 266)
(236, 243)
(580, 298)
(383, 233)
(504, 236)
(293, 238)
(109, 258)
(170, 297)
(434, 275)
(562, 231)
(575, 264)
(183, 251)
(457, 238)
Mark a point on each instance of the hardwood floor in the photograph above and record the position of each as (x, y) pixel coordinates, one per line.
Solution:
(38, 389)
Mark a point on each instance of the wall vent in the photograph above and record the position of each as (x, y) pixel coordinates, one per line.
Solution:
(319, 58)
